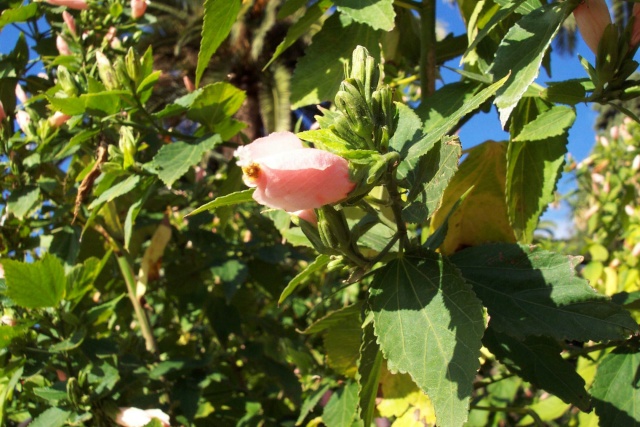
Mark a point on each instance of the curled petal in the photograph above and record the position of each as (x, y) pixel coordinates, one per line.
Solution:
(277, 142)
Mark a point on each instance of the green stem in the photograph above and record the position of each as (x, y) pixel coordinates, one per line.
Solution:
(427, 48)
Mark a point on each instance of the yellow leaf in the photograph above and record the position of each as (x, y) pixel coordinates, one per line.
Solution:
(482, 216)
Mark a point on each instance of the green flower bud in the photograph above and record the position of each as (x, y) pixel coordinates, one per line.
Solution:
(127, 144)
(106, 72)
(132, 63)
(66, 81)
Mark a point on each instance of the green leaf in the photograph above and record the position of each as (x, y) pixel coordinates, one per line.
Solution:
(553, 122)
(342, 344)
(615, 390)
(317, 265)
(437, 128)
(325, 139)
(233, 273)
(311, 402)
(8, 333)
(533, 169)
(297, 30)
(214, 104)
(408, 130)
(175, 159)
(566, 92)
(341, 408)
(429, 325)
(74, 341)
(334, 318)
(18, 14)
(368, 376)
(21, 201)
(438, 236)
(429, 178)
(228, 200)
(320, 71)
(378, 14)
(219, 17)
(52, 417)
(520, 53)
(538, 360)
(116, 191)
(530, 291)
(51, 394)
(34, 285)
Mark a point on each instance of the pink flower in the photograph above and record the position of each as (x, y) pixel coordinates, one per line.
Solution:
(58, 119)
(62, 46)
(308, 215)
(70, 21)
(138, 7)
(23, 119)
(592, 17)
(635, 33)
(289, 176)
(134, 417)
(71, 4)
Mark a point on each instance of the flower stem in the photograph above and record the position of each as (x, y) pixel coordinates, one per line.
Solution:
(427, 48)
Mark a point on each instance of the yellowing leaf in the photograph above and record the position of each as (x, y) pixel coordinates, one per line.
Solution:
(401, 398)
(482, 216)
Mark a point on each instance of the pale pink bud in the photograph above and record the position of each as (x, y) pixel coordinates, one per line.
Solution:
(597, 178)
(138, 7)
(21, 95)
(134, 417)
(289, 176)
(70, 21)
(615, 263)
(62, 46)
(8, 320)
(603, 141)
(635, 165)
(23, 119)
(308, 215)
(111, 33)
(2, 113)
(592, 17)
(58, 119)
(636, 250)
(624, 132)
(614, 132)
(188, 84)
(71, 4)
(628, 209)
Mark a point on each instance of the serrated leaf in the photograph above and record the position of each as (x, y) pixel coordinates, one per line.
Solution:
(341, 408)
(50, 394)
(175, 159)
(228, 200)
(553, 122)
(368, 376)
(219, 16)
(21, 201)
(538, 361)
(116, 191)
(317, 265)
(320, 71)
(378, 14)
(438, 127)
(214, 104)
(482, 216)
(52, 417)
(34, 285)
(429, 324)
(429, 178)
(342, 344)
(615, 390)
(297, 30)
(530, 291)
(521, 52)
(533, 169)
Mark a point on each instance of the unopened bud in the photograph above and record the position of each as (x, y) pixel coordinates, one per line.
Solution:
(188, 84)
(63, 47)
(592, 17)
(106, 71)
(66, 81)
(58, 119)
(3, 115)
(603, 141)
(71, 23)
(132, 63)
(635, 165)
(628, 209)
(21, 95)
(138, 7)
(24, 121)
(71, 4)
(636, 250)
(8, 320)
(127, 145)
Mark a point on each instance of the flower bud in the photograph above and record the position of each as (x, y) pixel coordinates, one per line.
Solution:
(106, 71)
(135, 417)
(592, 17)
(21, 95)
(71, 23)
(66, 81)
(71, 4)
(636, 250)
(628, 209)
(188, 84)
(8, 320)
(3, 115)
(24, 121)
(58, 119)
(138, 7)
(63, 47)
(127, 144)
(635, 165)
(289, 176)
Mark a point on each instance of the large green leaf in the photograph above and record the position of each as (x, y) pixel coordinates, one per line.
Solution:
(553, 122)
(520, 53)
(615, 390)
(538, 360)
(378, 14)
(341, 408)
(368, 376)
(533, 169)
(175, 159)
(20, 201)
(318, 74)
(438, 127)
(429, 324)
(317, 265)
(219, 16)
(34, 285)
(214, 104)
(116, 191)
(530, 291)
